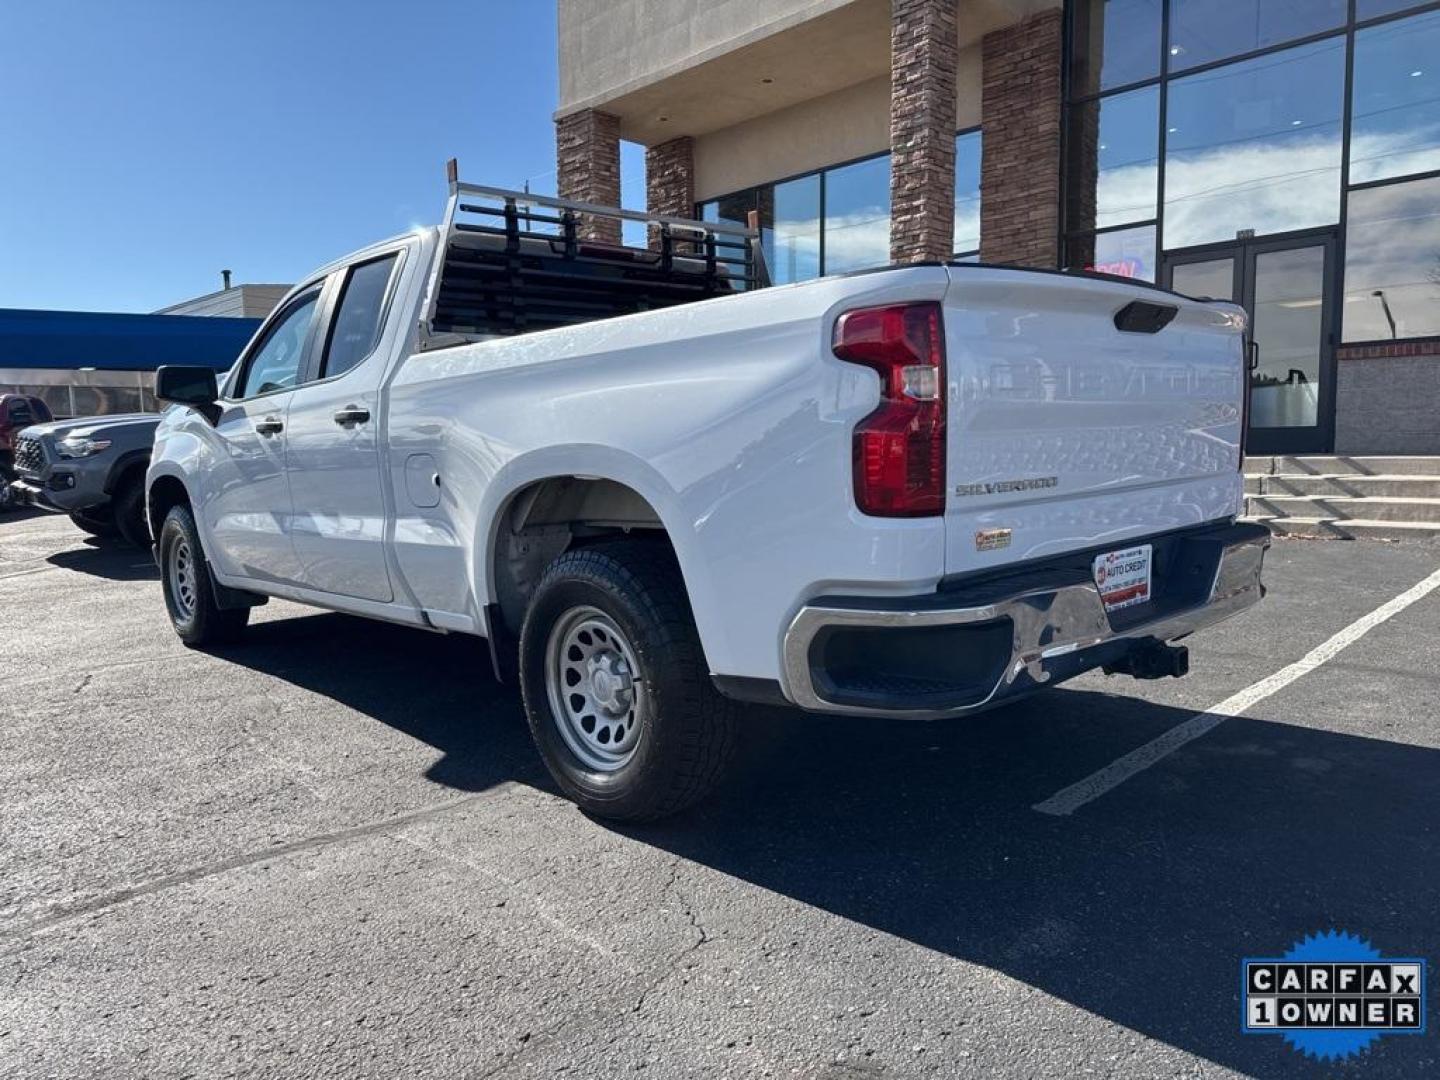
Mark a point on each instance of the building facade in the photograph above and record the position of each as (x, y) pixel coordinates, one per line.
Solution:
(232, 302)
(1284, 154)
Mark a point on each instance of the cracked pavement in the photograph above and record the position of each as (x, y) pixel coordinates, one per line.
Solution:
(331, 851)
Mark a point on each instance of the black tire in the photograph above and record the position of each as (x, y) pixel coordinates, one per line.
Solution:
(682, 729)
(197, 619)
(96, 521)
(128, 507)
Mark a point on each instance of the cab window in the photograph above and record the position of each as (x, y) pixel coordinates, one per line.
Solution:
(356, 328)
(279, 361)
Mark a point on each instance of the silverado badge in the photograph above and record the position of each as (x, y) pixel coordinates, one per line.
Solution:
(1001, 487)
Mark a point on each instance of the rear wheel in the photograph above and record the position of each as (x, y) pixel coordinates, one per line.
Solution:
(616, 688)
(189, 594)
(96, 522)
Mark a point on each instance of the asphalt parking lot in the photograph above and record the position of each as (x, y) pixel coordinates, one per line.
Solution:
(331, 851)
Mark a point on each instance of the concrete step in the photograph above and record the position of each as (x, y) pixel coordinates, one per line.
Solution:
(1355, 486)
(1342, 465)
(1327, 529)
(1343, 508)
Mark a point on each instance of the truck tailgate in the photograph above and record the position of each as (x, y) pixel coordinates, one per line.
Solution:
(1065, 432)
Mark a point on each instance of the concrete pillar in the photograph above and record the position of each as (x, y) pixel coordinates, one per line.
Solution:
(1020, 117)
(924, 48)
(587, 160)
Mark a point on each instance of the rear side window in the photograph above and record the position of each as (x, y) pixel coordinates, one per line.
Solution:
(357, 319)
(42, 411)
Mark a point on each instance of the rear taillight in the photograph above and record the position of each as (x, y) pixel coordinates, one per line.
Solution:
(899, 449)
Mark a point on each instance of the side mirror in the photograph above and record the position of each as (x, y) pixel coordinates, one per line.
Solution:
(188, 385)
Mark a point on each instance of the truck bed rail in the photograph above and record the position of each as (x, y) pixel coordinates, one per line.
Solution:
(514, 262)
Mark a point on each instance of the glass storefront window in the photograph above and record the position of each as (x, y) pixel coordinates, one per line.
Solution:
(1122, 252)
(1395, 115)
(1212, 279)
(1114, 43)
(1370, 9)
(967, 191)
(791, 228)
(857, 215)
(1114, 159)
(1392, 262)
(1255, 145)
(838, 219)
(1206, 30)
(731, 208)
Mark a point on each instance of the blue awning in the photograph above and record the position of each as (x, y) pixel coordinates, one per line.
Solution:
(110, 341)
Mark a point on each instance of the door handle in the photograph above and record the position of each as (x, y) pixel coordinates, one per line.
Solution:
(271, 425)
(352, 415)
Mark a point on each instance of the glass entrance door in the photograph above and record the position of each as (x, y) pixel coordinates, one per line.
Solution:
(1285, 286)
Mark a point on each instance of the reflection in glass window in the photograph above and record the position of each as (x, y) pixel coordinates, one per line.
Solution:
(1289, 323)
(276, 365)
(790, 219)
(1116, 42)
(1212, 279)
(1395, 115)
(968, 148)
(1206, 30)
(1122, 252)
(857, 215)
(357, 325)
(1114, 166)
(1392, 262)
(1370, 9)
(1255, 145)
(734, 209)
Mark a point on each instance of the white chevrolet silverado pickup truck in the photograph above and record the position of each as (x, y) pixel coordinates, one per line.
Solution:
(659, 488)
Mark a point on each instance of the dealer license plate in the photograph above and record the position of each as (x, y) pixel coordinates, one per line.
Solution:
(1123, 577)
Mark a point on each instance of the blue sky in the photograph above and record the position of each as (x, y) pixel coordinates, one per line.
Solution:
(146, 145)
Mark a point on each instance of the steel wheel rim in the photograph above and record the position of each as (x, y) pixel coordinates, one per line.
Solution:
(182, 579)
(597, 695)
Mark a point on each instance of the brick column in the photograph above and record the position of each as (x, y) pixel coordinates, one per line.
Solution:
(1020, 116)
(670, 180)
(923, 52)
(587, 158)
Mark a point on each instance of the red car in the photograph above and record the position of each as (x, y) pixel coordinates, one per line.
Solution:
(17, 411)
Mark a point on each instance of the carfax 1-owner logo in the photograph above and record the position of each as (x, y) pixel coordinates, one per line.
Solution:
(1332, 995)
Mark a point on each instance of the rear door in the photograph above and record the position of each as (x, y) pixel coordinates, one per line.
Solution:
(247, 511)
(1066, 431)
(333, 454)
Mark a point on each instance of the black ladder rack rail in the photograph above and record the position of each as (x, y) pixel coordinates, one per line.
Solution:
(515, 262)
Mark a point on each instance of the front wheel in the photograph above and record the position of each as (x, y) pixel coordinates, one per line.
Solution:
(189, 594)
(616, 688)
(129, 511)
(97, 522)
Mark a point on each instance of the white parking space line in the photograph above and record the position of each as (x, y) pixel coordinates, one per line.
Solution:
(1070, 799)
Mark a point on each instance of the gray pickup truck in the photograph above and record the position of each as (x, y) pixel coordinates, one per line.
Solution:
(91, 468)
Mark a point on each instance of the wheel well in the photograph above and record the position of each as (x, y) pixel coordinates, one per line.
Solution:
(549, 517)
(127, 472)
(165, 494)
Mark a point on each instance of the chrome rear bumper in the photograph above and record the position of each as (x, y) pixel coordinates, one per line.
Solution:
(1057, 631)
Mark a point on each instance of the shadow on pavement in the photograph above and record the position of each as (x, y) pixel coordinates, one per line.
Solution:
(1137, 909)
(437, 688)
(114, 560)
